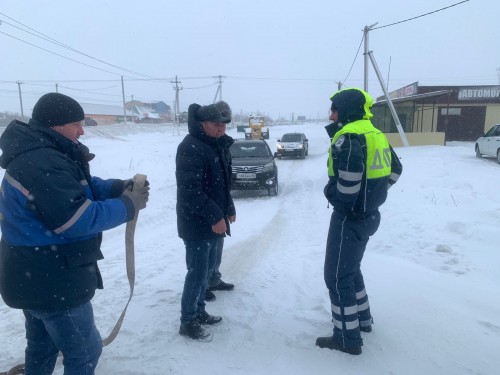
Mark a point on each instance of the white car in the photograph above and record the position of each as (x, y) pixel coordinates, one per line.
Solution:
(293, 144)
(489, 144)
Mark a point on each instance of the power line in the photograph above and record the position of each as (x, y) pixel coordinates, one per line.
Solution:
(319, 80)
(67, 80)
(64, 57)
(422, 15)
(201, 87)
(130, 79)
(355, 57)
(54, 41)
(91, 91)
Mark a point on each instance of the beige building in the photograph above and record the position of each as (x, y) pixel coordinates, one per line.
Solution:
(442, 113)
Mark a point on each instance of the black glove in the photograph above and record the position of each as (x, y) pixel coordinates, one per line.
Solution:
(139, 196)
(129, 184)
(330, 191)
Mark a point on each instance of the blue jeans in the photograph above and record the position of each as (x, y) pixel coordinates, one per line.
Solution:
(71, 331)
(215, 277)
(200, 262)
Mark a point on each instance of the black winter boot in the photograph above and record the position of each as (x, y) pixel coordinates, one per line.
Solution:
(330, 343)
(222, 286)
(206, 318)
(193, 330)
(365, 329)
(209, 295)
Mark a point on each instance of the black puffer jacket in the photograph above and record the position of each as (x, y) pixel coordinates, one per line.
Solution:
(203, 173)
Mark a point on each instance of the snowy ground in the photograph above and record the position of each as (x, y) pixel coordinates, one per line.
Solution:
(431, 270)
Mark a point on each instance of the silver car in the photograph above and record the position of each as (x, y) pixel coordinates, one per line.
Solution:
(293, 144)
(489, 144)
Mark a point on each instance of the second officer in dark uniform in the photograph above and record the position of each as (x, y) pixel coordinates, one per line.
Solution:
(361, 168)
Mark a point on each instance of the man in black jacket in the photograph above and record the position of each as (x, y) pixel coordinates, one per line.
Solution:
(53, 212)
(204, 209)
(215, 281)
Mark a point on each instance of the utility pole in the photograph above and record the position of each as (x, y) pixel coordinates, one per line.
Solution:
(389, 101)
(367, 58)
(389, 72)
(219, 88)
(20, 97)
(123, 97)
(57, 85)
(177, 89)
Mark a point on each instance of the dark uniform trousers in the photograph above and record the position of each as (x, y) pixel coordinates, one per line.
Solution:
(345, 247)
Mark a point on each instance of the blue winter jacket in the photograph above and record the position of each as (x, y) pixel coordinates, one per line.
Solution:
(52, 215)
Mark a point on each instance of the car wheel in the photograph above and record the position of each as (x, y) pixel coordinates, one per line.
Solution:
(273, 190)
(498, 156)
(307, 151)
(478, 153)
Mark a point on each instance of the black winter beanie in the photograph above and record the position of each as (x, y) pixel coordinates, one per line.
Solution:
(54, 109)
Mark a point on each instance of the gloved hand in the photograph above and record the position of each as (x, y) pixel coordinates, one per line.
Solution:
(330, 191)
(129, 184)
(138, 196)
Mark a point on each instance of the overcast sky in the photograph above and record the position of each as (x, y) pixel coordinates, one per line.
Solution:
(276, 56)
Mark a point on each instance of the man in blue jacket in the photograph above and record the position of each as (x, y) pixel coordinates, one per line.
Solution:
(53, 214)
(362, 166)
(204, 209)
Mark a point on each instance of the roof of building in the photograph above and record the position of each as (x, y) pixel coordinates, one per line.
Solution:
(413, 97)
(145, 112)
(103, 109)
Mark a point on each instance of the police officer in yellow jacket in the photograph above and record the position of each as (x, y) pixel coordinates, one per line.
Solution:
(361, 168)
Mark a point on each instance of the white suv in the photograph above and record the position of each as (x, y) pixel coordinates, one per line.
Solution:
(489, 144)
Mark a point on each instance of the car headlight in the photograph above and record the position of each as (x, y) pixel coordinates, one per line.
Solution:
(280, 146)
(300, 146)
(268, 167)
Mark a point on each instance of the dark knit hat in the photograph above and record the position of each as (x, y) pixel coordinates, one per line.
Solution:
(225, 110)
(54, 109)
(211, 113)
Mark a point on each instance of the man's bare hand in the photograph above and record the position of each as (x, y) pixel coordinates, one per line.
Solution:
(219, 227)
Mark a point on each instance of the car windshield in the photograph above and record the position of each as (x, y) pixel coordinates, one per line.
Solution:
(254, 150)
(291, 138)
(490, 132)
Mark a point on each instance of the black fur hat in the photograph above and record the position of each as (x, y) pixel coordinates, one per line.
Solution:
(54, 109)
(211, 113)
(225, 110)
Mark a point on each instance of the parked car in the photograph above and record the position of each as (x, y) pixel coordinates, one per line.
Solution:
(293, 144)
(253, 166)
(89, 121)
(489, 144)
